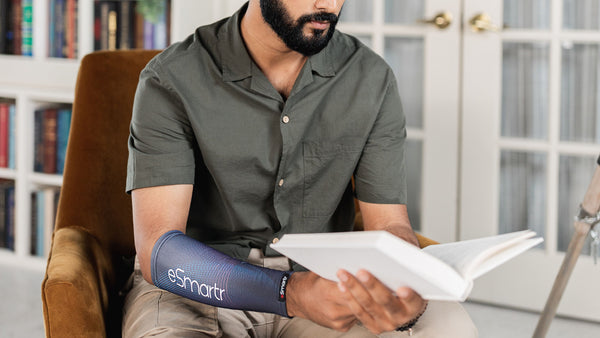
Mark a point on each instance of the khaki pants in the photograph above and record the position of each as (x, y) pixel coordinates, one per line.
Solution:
(150, 311)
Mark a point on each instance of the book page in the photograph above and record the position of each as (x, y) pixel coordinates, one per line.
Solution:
(464, 256)
(502, 256)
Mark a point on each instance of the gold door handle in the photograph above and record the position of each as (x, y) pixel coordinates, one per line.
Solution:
(441, 20)
(482, 22)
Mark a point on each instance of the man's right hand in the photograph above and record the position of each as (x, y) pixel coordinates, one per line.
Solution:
(341, 306)
(318, 300)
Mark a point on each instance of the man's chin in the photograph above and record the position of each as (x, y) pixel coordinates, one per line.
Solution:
(315, 33)
(318, 34)
(315, 48)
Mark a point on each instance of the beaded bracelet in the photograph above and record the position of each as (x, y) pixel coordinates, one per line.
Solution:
(408, 326)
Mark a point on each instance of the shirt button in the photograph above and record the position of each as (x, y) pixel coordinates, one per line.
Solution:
(281, 182)
(286, 119)
(275, 240)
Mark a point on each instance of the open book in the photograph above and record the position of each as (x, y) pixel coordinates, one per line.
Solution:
(437, 272)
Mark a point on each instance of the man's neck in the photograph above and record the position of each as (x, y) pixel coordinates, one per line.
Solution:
(280, 64)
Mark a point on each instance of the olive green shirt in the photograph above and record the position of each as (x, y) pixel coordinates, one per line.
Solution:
(262, 166)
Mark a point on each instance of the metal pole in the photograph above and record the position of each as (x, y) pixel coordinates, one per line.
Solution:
(589, 210)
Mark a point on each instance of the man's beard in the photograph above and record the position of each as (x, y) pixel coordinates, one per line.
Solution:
(292, 32)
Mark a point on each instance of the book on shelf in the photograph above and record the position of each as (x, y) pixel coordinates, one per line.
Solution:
(7, 214)
(62, 29)
(49, 141)
(7, 135)
(17, 16)
(27, 28)
(10, 217)
(51, 133)
(125, 24)
(55, 26)
(38, 150)
(13, 14)
(34, 245)
(44, 203)
(71, 30)
(3, 185)
(437, 272)
(49, 206)
(121, 25)
(5, 36)
(4, 136)
(63, 125)
(148, 34)
(12, 144)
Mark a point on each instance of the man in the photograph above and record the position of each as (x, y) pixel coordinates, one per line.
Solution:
(250, 129)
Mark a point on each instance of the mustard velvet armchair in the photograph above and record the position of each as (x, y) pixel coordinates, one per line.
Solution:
(94, 229)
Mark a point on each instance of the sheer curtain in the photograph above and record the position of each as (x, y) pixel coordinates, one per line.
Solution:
(527, 14)
(357, 11)
(406, 12)
(405, 56)
(522, 192)
(525, 90)
(580, 101)
(581, 14)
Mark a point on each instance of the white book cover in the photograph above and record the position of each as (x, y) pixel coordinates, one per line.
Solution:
(437, 272)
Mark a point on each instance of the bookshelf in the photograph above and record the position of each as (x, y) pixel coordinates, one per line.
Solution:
(39, 81)
(26, 100)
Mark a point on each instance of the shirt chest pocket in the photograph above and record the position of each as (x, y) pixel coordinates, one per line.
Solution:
(328, 168)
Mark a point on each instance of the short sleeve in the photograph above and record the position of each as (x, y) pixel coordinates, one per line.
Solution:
(160, 139)
(380, 175)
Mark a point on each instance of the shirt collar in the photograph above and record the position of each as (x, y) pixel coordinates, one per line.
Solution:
(237, 63)
(235, 60)
(322, 62)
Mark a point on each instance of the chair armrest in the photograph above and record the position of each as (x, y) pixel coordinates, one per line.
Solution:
(424, 241)
(75, 287)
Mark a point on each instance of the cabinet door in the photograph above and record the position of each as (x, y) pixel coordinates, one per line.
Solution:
(531, 129)
(426, 62)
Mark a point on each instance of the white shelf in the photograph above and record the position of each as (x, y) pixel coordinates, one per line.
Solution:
(54, 73)
(49, 180)
(8, 174)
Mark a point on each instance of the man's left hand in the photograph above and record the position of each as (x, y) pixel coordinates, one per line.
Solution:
(377, 307)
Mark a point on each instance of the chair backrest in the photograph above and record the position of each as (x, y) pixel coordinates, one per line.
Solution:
(93, 192)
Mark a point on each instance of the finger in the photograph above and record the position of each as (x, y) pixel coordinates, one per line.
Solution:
(358, 291)
(359, 312)
(381, 294)
(406, 293)
(410, 298)
(399, 307)
(371, 314)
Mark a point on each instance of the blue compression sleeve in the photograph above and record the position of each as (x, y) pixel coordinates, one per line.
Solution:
(196, 271)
